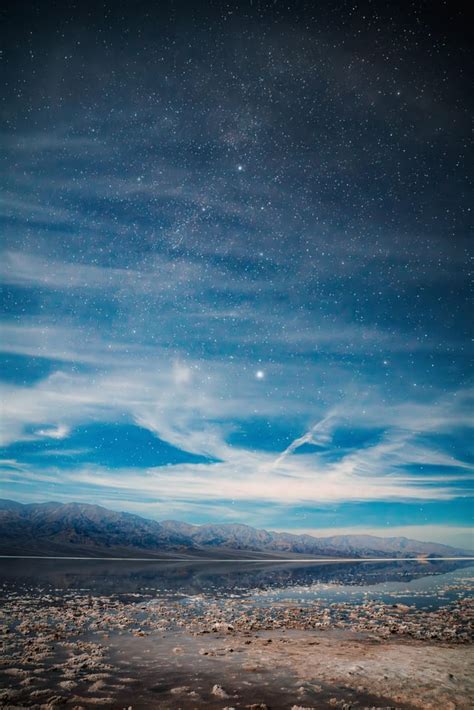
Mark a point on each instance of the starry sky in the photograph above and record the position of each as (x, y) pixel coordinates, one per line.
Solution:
(235, 262)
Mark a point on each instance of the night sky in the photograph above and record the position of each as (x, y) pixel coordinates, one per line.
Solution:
(235, 262)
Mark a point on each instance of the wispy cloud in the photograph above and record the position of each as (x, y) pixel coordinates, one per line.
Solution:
(319, 434)
(30, 270)
(236, 480)
(194, 403)
(59, 432)
(182, 402)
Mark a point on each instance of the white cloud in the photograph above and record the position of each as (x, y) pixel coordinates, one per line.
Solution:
(246, 477)
(317, 435)
(164, 274)
(190, 404)
(194, 403)
(59, 432)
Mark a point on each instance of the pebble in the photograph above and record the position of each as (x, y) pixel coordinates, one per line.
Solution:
(219, 692)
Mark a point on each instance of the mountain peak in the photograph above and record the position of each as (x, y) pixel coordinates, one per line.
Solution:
(62, 529)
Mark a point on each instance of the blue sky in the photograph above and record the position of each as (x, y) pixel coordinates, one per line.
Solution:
(234, 269)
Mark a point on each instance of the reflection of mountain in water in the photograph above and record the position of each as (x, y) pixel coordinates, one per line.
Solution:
(222, 578)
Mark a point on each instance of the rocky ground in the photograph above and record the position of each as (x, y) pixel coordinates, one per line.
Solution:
(121, 651)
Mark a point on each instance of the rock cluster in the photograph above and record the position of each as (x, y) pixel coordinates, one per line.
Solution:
(64, 636)
(453, 623)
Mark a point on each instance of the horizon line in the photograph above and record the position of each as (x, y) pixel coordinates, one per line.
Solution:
(285, 559)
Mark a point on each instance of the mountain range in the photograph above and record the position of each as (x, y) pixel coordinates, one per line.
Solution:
(83, 530)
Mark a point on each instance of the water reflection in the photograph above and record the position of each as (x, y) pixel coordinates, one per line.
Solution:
(216, 578)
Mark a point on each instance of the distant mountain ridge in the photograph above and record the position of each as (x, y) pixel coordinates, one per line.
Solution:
(83, 530)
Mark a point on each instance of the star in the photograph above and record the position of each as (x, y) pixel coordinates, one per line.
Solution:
(260, 374)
